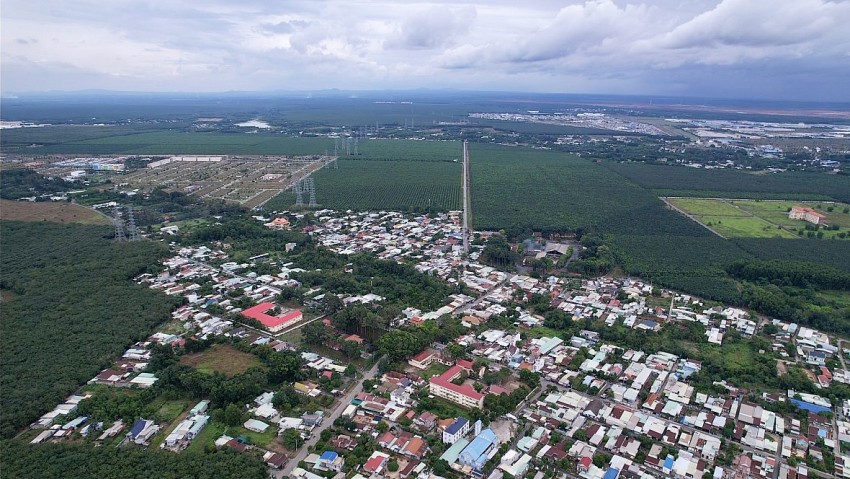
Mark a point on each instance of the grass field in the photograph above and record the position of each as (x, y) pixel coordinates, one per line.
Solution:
(706, 207)
(222, 358)
(761, 218)
(745, 227)
(214, 430)
(170, 410)
(58, 212)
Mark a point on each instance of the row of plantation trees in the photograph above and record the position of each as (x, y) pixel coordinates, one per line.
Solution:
(791, 273)
(85, 461)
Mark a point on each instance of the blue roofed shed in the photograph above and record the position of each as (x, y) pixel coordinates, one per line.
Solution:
(475, 454)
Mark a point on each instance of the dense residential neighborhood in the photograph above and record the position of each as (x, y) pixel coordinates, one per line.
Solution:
(507, 395)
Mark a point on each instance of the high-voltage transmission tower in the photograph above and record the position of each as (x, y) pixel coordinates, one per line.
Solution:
(132, 229)
(119, 224)
(299, 195)
(311, 190)
(308, 186)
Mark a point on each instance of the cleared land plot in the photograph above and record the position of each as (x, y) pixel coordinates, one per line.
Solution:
(221, 358)
(248, 181)
(58, 212)
(761, 218)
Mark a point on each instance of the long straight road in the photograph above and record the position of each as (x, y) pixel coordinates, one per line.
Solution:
(327, 422)
(467, 199)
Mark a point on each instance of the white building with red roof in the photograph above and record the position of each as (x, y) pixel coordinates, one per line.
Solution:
(464, 394)
(272, 323)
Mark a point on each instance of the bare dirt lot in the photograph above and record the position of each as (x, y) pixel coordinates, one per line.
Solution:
(58, 212)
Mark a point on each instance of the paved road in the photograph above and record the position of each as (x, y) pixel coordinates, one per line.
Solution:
(466, 198)
(328, 421)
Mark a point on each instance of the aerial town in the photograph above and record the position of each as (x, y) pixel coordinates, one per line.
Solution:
(506, 397)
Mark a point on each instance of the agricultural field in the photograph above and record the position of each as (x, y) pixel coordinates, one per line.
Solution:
(762, 218)
(119, 140)
(58, 212)
(405, 175)
(668, 180)
(249, 181)
(831, 253)
(550, 190)
(221, 358)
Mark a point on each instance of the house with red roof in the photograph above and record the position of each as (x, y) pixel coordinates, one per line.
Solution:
(272, 323)
(376, 463)
(806, 214)
(423, 359)
(584, 464)
(464, 395)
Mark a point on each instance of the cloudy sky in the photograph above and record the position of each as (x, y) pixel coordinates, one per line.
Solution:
(793, 49)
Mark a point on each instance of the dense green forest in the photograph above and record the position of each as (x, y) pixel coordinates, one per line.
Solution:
(19, 183)
(71, 309)
(83, 461)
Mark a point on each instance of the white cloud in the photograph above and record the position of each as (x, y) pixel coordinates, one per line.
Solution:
(642, 45)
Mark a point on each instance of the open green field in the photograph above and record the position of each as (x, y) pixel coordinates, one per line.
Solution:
(215, 429)
(745, 227)
(777, 211)
(221, 358)
(706, 207)
(761, 218)
(56, 212)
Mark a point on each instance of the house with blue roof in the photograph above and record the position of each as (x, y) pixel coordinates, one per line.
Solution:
(668, 463)
(476, 454)
(330, 461)
(456, 431)
(142, 431)
(611, 473)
